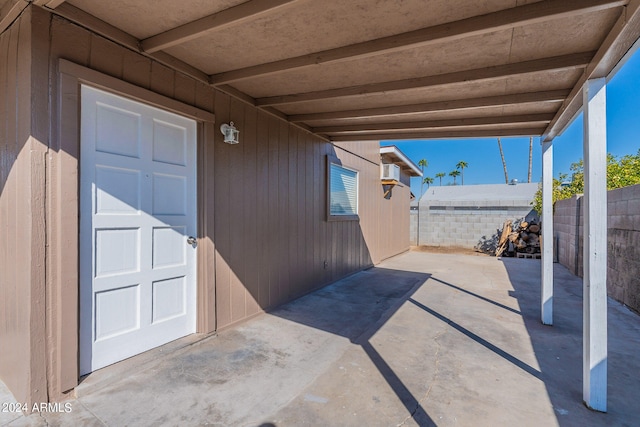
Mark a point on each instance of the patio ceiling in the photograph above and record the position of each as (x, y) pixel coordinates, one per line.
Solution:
(375, 70)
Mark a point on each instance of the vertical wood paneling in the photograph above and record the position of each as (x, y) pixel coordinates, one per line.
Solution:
(321, 228)
(7, 293)
(326, 236)
(17, 313)
(22, 270)
(292, 238)
(106, 56)
(291, 226)
(206, 301)
(310, 242)
(237, 212)
(270, 232)
(302, 247)
(33, 123)
(162, 79)
(273, 235)
(67, 41)
(62, 189)
(205, 101)
(283, 201)
(223, 210)
(184, 89)
(16, 336)
(249, 193)
(5, 166)
(321, 233)
(74, 43)
(70, 41)
(136, 69)
(261, 204)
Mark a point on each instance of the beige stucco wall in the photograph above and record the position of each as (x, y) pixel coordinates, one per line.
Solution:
(264, 234)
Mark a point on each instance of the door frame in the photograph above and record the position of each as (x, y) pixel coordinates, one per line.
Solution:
(63, 192)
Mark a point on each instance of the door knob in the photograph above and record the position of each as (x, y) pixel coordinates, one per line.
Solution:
(192, 241)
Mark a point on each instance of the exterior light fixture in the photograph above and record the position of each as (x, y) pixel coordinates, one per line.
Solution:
(230, 133)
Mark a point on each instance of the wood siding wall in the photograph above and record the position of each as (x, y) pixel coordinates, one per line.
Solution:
(273, 240)
(22, 242)
(262, 202)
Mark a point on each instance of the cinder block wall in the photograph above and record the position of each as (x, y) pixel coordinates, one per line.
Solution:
(463, 223)
(413, 226)
(567, 231)
(470, 216)
(623, 272)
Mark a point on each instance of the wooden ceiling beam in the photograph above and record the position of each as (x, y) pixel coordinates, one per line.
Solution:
(477, 25)
(9, 11)
(49, 4)
(116, 35)
(54, 3)
(620, 41)
(96, 25)
(233, 16)
(82, 18)
(572, 61)
(452, 105)
(441, 134)
(435, 124)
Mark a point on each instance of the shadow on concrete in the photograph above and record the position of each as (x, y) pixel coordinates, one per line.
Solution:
(415, 409)
(433, 339)
(497, 350)
(490, 301)
(357, 308)
(558, 348)
(552, 363)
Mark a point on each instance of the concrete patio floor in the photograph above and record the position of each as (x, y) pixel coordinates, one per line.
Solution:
(421, 339)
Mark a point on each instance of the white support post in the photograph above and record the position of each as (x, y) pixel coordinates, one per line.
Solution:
(546, 305)
(594, 368)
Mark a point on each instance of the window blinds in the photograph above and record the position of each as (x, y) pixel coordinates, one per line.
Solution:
(344, 191)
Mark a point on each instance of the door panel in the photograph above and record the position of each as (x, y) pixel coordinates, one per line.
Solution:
(117, 190)
(137, 209)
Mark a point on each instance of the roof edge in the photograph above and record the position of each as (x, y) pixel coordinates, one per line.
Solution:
(392, 149)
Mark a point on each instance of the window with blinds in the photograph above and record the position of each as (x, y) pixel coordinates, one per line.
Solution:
(343, 186)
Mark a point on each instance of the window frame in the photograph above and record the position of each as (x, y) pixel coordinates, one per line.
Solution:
(331, 160)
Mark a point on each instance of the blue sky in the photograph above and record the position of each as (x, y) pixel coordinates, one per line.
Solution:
(483, 155)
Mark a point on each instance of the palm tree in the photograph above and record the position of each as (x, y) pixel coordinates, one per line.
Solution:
(427, 180)
(423, 164)
(441, 175)
(504, 164)
(454, 174)
(461, 165)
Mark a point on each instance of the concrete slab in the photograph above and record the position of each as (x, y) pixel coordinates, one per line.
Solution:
(422, 339)
(9, 411)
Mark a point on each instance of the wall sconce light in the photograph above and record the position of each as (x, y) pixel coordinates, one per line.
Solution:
(230, 133)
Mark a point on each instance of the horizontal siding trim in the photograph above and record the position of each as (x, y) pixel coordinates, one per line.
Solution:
(112, 84)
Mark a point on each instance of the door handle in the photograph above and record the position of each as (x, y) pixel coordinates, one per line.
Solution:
(192, 241)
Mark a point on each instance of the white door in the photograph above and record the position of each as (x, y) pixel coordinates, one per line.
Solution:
(137, 213)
